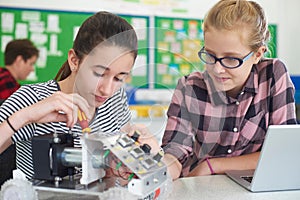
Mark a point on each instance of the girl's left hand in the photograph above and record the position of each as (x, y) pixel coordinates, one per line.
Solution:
(145, 137)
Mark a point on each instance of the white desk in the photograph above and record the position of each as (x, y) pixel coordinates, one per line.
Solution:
(220, 187)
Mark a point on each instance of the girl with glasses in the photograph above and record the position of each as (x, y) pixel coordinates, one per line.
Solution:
(217, 120)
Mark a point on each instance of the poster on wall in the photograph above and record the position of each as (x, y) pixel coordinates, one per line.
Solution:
(177, 42)
(272, 45)
(53, 33)
(140, 72)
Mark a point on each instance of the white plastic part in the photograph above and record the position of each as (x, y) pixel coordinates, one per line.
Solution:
(18, 189)
(89, 173)
(18, 174)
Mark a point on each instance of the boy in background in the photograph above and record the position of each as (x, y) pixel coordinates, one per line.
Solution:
(19, 57)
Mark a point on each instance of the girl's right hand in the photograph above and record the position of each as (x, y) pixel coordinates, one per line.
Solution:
(58, 107)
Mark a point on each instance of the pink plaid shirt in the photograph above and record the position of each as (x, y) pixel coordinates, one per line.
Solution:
(203, 122)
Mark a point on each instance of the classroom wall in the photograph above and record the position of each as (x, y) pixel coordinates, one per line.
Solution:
(283, 13)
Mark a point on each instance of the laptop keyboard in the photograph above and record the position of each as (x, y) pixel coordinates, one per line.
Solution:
(247, 178)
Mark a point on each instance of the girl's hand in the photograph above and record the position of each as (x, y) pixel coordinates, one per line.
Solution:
(145, 137)
(58, 107)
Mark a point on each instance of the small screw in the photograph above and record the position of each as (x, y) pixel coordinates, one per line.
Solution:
(56, 140)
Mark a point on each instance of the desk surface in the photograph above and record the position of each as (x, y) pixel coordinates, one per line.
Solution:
(203, 188)
(222, 187)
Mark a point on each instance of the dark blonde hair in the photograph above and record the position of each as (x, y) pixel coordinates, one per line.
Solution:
(240, 15)
(101, 27)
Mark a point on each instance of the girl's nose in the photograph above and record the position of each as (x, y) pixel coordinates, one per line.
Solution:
(218, 68)
(105, 86)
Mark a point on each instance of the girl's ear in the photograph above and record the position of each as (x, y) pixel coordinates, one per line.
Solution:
(73, 60)
(259, 54)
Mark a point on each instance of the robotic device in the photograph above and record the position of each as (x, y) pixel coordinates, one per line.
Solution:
(55, 161)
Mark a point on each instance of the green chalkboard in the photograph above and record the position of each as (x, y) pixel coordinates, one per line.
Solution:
(53, 33)
(177, 42)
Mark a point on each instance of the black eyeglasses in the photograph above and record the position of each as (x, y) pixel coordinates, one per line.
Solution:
(227, 62)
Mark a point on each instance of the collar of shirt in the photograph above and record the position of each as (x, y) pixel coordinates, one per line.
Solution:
(252, 83)
(219, 97)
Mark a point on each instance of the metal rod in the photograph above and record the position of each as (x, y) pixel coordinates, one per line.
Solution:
(71, 157)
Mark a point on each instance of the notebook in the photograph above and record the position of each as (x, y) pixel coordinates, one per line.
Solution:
(278, 167)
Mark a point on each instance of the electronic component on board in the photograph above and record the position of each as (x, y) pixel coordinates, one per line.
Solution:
(158, 156)
(148, 163)
(137, 152)
(135, 136)
(125, 141)
(146, 148)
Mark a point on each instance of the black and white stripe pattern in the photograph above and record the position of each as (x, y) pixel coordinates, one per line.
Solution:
(109, 118)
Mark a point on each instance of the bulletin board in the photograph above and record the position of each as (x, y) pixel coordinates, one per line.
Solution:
(53, 33)
(177, 42)
(272, 45)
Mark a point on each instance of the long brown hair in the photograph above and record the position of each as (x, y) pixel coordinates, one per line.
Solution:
(100, 27)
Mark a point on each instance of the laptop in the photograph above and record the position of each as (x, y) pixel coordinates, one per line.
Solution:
(278, 166)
